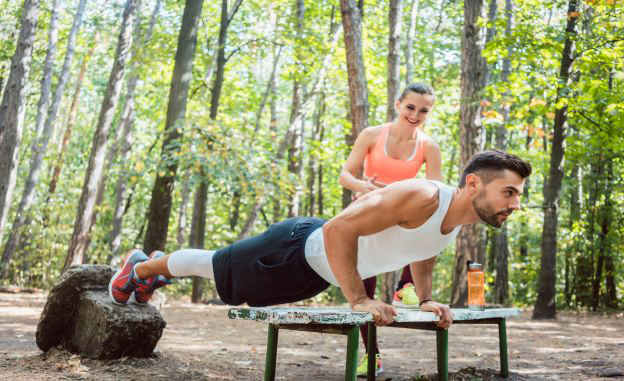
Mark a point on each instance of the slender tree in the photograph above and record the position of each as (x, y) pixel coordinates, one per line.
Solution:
(12, 107)
(42, 108)
(358, 90)
(394, 62)
(409, 45)
(124, 140)
(471, 138)
(186, 192)
(297, 116)
(499, 237)
(545, 307)
(71, 119)
(160, 203)
(198, 226)
(44, 132)
(605, 226)
(84, 216)
(46, 80)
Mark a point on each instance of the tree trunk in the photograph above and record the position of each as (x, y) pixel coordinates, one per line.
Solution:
(235, 210)
(605, 226)
(545, 307)
(84, 215)
(313, 163)
(501, 254)
(319, 188)
(46, 81)
(575, 214)
(198, 229)
(266, 93)
(186, 192)
(42, 108)
(44, 132)
(524, 236)
(294, 166)
(356, 73)
(471, 139)
(489, 35)
(586, 262)
(214, 107)
(127, 115)
(12, 107)
(65, 71)
(71, 118)
(215, 53)
(409, 46)
(125, 140)
(394, 61)
(160, 203)
(251, 219)
(294, 133)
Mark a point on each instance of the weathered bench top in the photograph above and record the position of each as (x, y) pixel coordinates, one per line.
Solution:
(304, 315)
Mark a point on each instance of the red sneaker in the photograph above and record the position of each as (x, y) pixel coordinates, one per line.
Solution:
(144, 292)
(125, 281)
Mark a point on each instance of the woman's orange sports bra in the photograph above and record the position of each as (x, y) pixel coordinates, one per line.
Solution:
(388, 169)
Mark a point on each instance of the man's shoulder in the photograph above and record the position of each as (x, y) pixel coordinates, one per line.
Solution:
(421, 191)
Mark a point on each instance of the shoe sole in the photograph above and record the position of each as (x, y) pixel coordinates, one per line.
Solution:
(110, 283)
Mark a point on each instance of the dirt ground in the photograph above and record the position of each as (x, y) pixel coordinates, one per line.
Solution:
(201, 343)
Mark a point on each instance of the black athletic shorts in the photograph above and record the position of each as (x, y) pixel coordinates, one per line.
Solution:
(270, 268)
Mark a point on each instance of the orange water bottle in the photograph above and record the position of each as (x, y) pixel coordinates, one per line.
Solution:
(476, 287)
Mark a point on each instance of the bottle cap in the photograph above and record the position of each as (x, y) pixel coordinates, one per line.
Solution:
(475, 266)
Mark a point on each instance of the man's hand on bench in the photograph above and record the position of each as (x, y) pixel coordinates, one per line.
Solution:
(442, 310)
(382, 313)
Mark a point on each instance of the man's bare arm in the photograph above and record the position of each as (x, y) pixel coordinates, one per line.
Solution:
(374, 212)
(422, 274)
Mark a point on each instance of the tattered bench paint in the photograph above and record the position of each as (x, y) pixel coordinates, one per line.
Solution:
(276, 315)
(345, 321)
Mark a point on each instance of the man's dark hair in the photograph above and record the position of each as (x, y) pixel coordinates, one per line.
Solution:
(490, 164)
(418, 88)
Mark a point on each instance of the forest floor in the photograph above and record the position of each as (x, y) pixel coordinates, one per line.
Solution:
(201, 343)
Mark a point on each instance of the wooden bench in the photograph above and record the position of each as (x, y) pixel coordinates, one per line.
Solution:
(346, 322)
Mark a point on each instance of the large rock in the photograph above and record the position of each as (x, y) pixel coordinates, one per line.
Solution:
(80, 316)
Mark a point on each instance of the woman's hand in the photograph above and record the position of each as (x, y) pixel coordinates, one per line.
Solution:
(368, 185)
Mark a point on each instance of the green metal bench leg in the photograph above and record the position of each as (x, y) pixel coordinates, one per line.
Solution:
(372, 339)
(353, 336)
(502, 343)
(442, 352)
(271, 354)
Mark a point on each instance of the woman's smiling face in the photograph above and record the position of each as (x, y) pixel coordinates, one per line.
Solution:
(414, 108)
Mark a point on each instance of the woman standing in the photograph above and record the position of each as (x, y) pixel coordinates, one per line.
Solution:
(388, 153)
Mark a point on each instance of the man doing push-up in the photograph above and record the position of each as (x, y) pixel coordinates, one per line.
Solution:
(407, 222)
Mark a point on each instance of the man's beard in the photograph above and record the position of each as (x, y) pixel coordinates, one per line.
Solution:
(486, 211)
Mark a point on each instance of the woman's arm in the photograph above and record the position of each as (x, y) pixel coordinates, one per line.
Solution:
(353, 166)
(433, 160)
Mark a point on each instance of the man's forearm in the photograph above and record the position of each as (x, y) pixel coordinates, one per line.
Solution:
(342, 258)
(422, 274)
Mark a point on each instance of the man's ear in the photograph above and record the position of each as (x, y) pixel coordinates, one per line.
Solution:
(473, 183)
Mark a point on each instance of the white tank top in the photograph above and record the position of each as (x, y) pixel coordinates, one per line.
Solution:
(390, 249)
